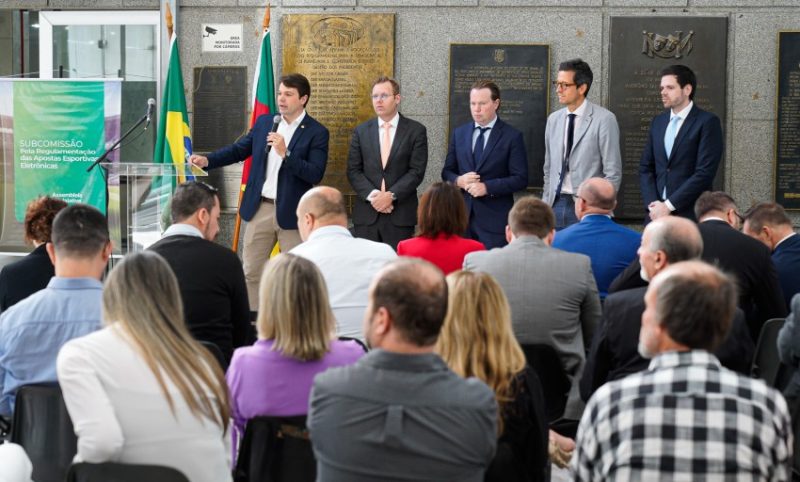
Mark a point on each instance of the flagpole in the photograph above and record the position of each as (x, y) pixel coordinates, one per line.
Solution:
(238, 225)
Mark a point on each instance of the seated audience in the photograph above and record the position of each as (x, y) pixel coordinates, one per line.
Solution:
(210, 276)
(442, 217)
(760, 295)
(22, 278)
(611, 247)
(552, 293)
(768, 223)
(295, 331)
(347, 263)
(142, 390)
(614, 353)
(33, 330)
(685, 417)
(477, 341)
(399, 412)
(789, 353)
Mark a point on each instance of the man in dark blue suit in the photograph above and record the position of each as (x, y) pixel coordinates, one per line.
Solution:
(286, 163)
(683, 149)
(768, 223)
(611, 247)
(489, 171)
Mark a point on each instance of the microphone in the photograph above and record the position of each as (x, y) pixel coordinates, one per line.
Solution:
(275, 121)
(151, 105)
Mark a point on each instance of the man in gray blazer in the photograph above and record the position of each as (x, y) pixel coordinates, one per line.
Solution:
(581, 141)
(552, 293)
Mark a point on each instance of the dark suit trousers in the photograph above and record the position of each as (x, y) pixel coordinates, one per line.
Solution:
(384, 231)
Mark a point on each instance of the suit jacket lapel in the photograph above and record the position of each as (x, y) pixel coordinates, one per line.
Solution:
(585, 122)
(399, 138)
(466, 140)
(373, 142)
(495, 134)
(687, 124)
(298, 133)
(659, 130)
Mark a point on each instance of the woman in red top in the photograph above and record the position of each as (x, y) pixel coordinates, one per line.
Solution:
(441, 217)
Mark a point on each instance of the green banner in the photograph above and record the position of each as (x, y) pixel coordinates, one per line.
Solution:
(59, 130)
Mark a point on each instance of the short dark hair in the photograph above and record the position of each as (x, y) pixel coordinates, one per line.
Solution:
(684, 75)
(713, 201)
(583, 73)
(766, 214)
(695, 303)
(531, 215)
(414, 292)
(80, 231)
(382, 79)
(441, 211)
(487, 84)
(191, 196)
(39, 215)
(299, 82)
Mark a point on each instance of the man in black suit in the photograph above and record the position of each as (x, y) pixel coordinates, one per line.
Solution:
(209, 275)
(387, 161)
(768, 223)
(615, 351)
(683, 150)
(760, 294)
(287, 162)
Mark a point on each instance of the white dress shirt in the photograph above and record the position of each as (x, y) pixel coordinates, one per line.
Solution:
(476, 132)
(392, 131)
(120, 414)
(287, 130)
(681, 117)
(348, 265)
(580, 113)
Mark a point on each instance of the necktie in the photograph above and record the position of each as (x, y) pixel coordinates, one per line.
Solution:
(672, 132)
(477, 151)
(386, 147)
(565, 164)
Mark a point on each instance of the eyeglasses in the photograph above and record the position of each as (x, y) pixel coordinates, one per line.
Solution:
(562, 85)
(381, 97)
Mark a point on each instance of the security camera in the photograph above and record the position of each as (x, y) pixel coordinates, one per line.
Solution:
(210, 31)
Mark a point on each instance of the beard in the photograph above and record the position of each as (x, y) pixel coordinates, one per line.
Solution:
(644, 352)
(643, 274)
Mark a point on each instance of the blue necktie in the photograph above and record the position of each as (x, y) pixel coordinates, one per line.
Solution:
(672, 132)
(477, 151)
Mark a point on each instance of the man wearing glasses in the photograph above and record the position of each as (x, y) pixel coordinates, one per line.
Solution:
(581, 141)
(387, 160)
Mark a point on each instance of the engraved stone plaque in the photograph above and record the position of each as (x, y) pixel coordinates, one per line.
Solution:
(220, 101)
(341, 55)
(640, 48)
(787, 146)
(521, 72)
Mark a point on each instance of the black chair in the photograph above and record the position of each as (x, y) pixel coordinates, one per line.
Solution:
(546, 363)
(214, 349)
(276, 449)
(113, 472)
(766, 363)
(360, 343)
(43, 428)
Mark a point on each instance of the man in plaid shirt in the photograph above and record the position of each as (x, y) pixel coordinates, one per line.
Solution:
(685, 417)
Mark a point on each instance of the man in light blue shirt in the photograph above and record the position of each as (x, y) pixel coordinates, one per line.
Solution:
(33, 331)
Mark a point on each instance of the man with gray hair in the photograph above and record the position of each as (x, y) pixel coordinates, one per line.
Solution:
(347, 263)
(33, 330)
(685, 417)
(614, 353)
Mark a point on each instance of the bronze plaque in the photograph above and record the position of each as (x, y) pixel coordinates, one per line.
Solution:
(521, 72)
(341, 55)
(219, 98)
(640, 48)
(787, 142)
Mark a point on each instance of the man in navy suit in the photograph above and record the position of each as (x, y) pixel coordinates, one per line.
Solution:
(286, 163)
(683, 149)
(611, 247)
(489, 171)
(768, 223)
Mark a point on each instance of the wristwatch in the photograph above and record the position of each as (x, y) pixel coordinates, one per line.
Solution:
(394, 197)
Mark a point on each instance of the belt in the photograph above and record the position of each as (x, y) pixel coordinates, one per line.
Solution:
(566, 195)
(267, 200)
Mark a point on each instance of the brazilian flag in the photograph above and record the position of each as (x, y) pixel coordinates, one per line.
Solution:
(174, 142)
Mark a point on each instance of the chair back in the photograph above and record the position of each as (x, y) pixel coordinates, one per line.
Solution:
(276, 449)
(360, 343)
(546, 363)
(43, 428)
(113, 472)
(216, 352)
(766, 363)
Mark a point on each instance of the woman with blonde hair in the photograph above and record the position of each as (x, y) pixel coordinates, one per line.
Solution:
(142, 390)
(296, 341)
(477, 341)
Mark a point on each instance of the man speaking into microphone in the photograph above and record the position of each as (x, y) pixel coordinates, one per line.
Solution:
(287, 162)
